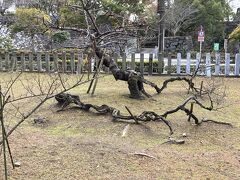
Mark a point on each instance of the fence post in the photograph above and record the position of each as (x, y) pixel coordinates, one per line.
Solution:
(7, 57)
(72, 61)
(188, 65)
(64, 61)
(237, 64)
(14, 62)
(79, 63)
(217, 66)
(142, 63)
(133, 61)
(30, 56)
(23, 61)
(208, 65)
(179, 57)
(39, 61)
(150, 65)
(1, 62)
(55, 60)
(169, 70)
(198, 59)
(124, 65)
(47, 60)
(227, 64)
(160, 63)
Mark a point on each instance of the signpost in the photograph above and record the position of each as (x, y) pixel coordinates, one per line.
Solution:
(201, 35)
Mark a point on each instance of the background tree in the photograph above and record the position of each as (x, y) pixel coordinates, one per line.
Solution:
(234, 38)
(62, 14)
(235, 35)
(6, 42)
(179, 14)
(211, 15)
(30, 21)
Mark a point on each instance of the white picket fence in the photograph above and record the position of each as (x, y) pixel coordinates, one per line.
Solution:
(77, 62)
(209, 65)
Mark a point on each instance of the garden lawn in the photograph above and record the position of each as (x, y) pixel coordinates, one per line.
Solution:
(74, 144)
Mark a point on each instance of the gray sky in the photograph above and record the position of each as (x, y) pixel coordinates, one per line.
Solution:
(235, 4)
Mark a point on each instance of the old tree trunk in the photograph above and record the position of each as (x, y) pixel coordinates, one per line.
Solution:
(135, 80)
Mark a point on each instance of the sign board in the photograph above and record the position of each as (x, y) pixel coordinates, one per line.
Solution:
(216, 47)
(201, 36)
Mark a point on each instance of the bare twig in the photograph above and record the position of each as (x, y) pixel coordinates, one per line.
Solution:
(47, 97)
(216, 122)
(144, 155)
(12, 83)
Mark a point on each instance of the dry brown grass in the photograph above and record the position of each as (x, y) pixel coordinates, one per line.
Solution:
(83, 145)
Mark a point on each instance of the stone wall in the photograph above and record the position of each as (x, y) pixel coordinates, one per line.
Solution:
(178, 44)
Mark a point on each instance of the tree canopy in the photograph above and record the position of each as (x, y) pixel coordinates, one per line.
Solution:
(211, 15)
(52, 17)
(30, 21)
(123, 18)
(235, 35)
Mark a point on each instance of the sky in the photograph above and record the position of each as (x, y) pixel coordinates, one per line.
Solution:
(235, 4)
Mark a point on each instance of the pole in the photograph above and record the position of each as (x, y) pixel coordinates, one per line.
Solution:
(201, 30)
(161, 12)
(200, 50)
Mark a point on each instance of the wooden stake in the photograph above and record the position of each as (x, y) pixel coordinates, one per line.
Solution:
(201, 87)
(191, 110)
(97, 74)
(99, 64)
(135, 119)
(94, 75)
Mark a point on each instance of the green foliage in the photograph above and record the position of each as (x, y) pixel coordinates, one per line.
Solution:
(72, 18)
(6, 42)
(211, 15)
(60, 37)
(110, 12)
(235, 35)
(31, 21)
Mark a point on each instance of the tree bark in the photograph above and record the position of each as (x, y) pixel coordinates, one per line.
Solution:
(134, 79)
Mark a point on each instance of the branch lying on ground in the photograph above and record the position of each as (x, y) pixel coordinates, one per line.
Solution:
(216, 122)
(187, 111)
(144, 155)
(65, 99)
